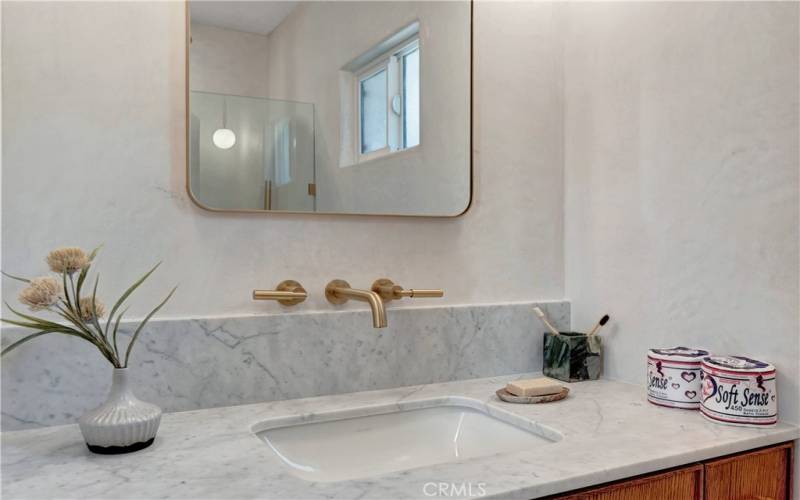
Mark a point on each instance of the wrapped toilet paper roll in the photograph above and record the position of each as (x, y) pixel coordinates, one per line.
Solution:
(673, 377)
(739, 391)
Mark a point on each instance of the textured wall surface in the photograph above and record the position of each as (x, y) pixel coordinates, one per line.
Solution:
(682, 180)
(681, 143)
(191, 364)
(227, 61)
(94, 153)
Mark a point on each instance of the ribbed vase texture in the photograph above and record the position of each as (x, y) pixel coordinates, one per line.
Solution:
(123, 420)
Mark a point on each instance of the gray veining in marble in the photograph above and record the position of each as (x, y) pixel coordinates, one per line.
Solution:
(609, 432)
(205, 363)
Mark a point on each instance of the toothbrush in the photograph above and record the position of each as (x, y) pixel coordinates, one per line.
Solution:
(543, 317)
(599, 324)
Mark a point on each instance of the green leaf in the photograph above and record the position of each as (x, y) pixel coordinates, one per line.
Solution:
(16, 344)
(73, 317)
(127, 294)
(95, 322)
(21, 341)
(144, 322)
(116, 327)
(93, 253)
(24, 280)
(81, 278)
(23, 324)
(85, 270)
(50, 324)
(84, 332)
(50, 327)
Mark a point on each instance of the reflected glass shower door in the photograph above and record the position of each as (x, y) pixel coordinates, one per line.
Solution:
(271, 163)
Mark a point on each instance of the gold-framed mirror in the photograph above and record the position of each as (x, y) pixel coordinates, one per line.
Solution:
(330, 107)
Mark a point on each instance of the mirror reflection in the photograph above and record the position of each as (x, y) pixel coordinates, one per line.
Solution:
(330, 107)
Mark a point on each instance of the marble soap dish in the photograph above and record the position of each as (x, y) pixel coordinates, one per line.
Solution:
(506, 396)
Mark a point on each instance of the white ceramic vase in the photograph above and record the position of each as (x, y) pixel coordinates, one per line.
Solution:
(123, 423)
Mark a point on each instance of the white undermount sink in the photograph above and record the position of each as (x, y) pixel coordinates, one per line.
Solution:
(355, 444)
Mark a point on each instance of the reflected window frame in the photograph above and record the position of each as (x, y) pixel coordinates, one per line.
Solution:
(393, 62)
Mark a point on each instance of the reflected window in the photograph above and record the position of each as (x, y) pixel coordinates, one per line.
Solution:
(374, 109)
(411, 98)
(389, 102)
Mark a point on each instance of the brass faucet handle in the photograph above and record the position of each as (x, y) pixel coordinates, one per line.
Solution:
(331, 294)
(287, 293)
(389, 291)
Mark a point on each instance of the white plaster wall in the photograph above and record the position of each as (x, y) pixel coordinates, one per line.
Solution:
(227, 61)
(94, 153)
(307, 53)
(681, 140)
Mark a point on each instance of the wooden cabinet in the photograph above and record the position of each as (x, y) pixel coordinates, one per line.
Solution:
(764, 474)
(685, 483)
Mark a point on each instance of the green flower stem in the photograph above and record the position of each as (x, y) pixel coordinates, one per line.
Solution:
(95, 322)
(75, 296)
(66, 290)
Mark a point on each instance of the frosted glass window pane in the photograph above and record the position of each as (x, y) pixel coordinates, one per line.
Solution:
(373, 112)
(411, 99)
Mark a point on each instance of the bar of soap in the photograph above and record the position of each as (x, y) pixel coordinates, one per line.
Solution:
(533, 387)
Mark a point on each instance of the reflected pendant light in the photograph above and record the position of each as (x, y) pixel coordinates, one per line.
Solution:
(224, 138)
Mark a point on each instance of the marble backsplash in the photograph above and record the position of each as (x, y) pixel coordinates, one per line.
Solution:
(187, 364)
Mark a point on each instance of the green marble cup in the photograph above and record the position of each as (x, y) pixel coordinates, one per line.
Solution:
(572, 356)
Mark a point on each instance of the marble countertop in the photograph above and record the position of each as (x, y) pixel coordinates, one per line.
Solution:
(609, 432)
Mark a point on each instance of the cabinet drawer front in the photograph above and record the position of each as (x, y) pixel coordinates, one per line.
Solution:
(680, 484)
(762, 474)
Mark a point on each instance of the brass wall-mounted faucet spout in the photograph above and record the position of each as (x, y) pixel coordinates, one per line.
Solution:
(389, 291)
(339, 292)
